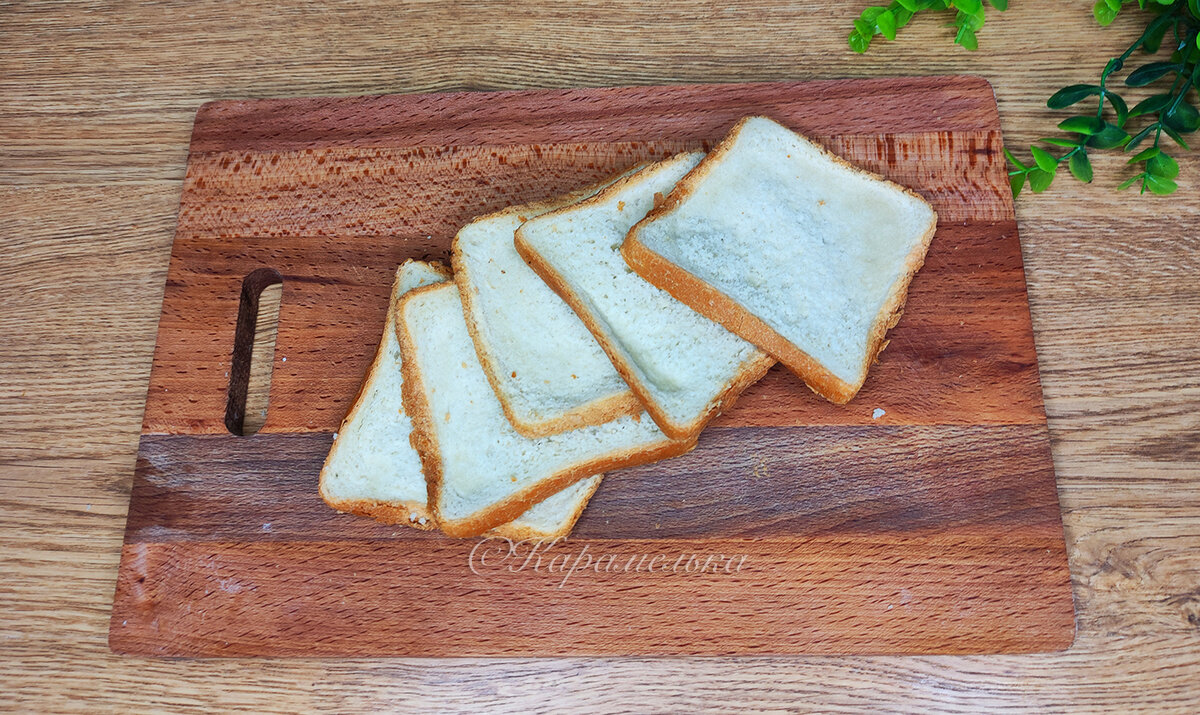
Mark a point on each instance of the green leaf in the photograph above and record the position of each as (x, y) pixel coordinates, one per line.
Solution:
(1103, 13)
(870, 14)
(1040, 180)
(902, 16)
(1183, 118)
(1119, 106)
(1059, 142)
(1110, 137)
(1082, 125)
(1081, 167)
(1044, 159)
(1139, 137)
(1150, 104)
(1194, 7)
(1164, 166)
(1074, 94)
(966, 38)
(1175, 135)
(1012, 158)
(858, 42)
(1017, 182)
(1160, 185)
(1000, 5)
(910, 5)
(1144, 155)
(1129, 182)
(1155, 31)
(886, 23)
(864, 28)
(970, 7)
(973, 21)
(1148, 73)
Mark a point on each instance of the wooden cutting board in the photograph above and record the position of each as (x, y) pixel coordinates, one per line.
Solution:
(795, 527)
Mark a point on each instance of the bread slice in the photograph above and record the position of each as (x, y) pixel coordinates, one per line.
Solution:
(546, 368)
(481, 472)
(790, 247)
(682, 366)
(372, 469)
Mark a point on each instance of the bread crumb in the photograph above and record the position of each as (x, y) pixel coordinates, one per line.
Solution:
(447, 416)
(620, 205)
(522, 219)
(514, 373)
(821, 202)
(574, 376)
(879, 412)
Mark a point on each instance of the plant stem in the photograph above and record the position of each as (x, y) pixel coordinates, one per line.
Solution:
(1187, 79)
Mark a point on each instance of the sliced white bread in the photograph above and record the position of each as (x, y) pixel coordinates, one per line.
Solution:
(791, 248)
(372, 469)
(682, 366)
(482, 472)
(546, 368)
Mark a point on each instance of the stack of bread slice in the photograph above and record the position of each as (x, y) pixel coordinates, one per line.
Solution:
(605, 328)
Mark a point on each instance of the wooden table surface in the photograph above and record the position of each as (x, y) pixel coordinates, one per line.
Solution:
(96, 105)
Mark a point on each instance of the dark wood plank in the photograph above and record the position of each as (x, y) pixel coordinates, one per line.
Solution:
(795, 481)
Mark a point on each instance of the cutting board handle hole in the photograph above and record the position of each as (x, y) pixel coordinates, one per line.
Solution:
(253, 351)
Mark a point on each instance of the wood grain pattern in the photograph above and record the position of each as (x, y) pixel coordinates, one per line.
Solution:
(329, 195)
(799, 481)
(99, 100)
(352, 602)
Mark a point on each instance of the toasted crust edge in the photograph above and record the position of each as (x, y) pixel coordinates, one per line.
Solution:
(715, 305)
(379, 510)
(750, 371)
(386, 512)
(516, 533)
(412, 396)
(595, 412)
(424, 441)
